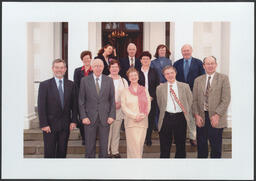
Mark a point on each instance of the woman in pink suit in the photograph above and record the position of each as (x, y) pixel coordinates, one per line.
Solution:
(135, 104)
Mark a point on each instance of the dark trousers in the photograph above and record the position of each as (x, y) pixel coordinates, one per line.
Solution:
(151, 120)
(90, 140)
(55, 144)
(80, 125)
(215, 138)
(173, 125)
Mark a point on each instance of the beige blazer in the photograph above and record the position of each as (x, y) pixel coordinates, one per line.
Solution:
(130, 108)
(122, 83)
(218, 100)
(185, 97)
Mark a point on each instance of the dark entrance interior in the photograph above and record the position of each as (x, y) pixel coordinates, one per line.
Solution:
(120, 34)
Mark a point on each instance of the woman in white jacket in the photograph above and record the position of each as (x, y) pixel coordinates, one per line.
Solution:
(114, 132)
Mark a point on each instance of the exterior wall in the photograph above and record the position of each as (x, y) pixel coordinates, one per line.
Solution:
(44, 45)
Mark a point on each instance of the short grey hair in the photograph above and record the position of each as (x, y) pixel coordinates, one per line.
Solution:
(210, 57)
(58, 60)
(95, 61)
(169, 67)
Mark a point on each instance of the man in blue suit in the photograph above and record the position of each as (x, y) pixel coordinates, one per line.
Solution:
(188, 69)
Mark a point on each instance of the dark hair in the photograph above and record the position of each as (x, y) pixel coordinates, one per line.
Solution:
(168, 53)
(84, 53)
(130, 70)
(112, 62)
(208, 57)
(169, 67)
(58, 60)
(101, 51)
(145, 54)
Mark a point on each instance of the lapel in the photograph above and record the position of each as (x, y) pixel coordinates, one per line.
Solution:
(191, 67)
(66, 92)
(180, 70)
(127, 63)
(56, 91)
(214, 82)
(93, 85)
(203, 83)
(103, 85)
(164, 94)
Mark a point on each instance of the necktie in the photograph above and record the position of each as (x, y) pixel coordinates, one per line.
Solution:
(172, 99)
(207, 92)
(132, 62)
(186, 69)
(97, 86)
(61, 93)
(177, 100)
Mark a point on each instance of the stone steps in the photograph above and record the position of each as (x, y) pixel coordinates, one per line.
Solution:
(145, 155)
(36, 134)
(33, 145)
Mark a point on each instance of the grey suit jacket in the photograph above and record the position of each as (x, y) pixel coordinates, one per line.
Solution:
(218, 99)
(185, 97)
(91, 104)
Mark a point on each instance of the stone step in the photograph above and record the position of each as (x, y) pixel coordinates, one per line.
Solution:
(145, 155)
(75, 147)
(36, 134)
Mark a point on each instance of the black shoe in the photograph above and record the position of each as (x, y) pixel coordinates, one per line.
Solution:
(148, 142)
(193, 142)
(116, 155)
(110, 156)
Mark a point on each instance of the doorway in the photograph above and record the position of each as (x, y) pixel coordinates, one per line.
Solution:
(120, 34)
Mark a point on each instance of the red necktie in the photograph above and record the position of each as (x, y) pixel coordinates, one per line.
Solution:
(177, 100)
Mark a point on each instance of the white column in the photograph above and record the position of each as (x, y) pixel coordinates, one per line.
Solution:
(78, 42)
(30, 114)
(183, 35)
(57, 28)
(94, 37)
(153, 35)
(172, 41)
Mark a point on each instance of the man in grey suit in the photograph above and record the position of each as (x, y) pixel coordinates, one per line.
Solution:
(211, 98)
(174, 100)
(97, 108)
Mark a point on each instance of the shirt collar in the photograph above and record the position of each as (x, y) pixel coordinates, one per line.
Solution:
(94, 76)
(174, 84)
(207, 75)
(57, 79)
(189, 60)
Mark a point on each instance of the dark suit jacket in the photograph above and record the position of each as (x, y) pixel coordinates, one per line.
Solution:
(49, 106)
(91, 104)
(125, 65)
(153, 81)
(196, 69)
(78, 75)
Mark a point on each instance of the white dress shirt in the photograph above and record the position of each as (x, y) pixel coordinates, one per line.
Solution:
(146, 77)
(171, 100)
(100, 79)
(130, 60)
(58, 83)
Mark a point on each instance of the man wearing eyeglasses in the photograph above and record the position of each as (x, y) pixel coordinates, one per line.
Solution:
(211, 98)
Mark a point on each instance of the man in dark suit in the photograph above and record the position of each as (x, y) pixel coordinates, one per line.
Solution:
(57, 110)
(211, 98)
(97, 109)
(129, 61)
(188, 69)
(149, 78)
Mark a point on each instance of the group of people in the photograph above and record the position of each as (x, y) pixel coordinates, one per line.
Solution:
(188, 96)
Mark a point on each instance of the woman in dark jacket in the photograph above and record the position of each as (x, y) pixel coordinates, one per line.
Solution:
(80, 72)
(105, 54)
(149, 78)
